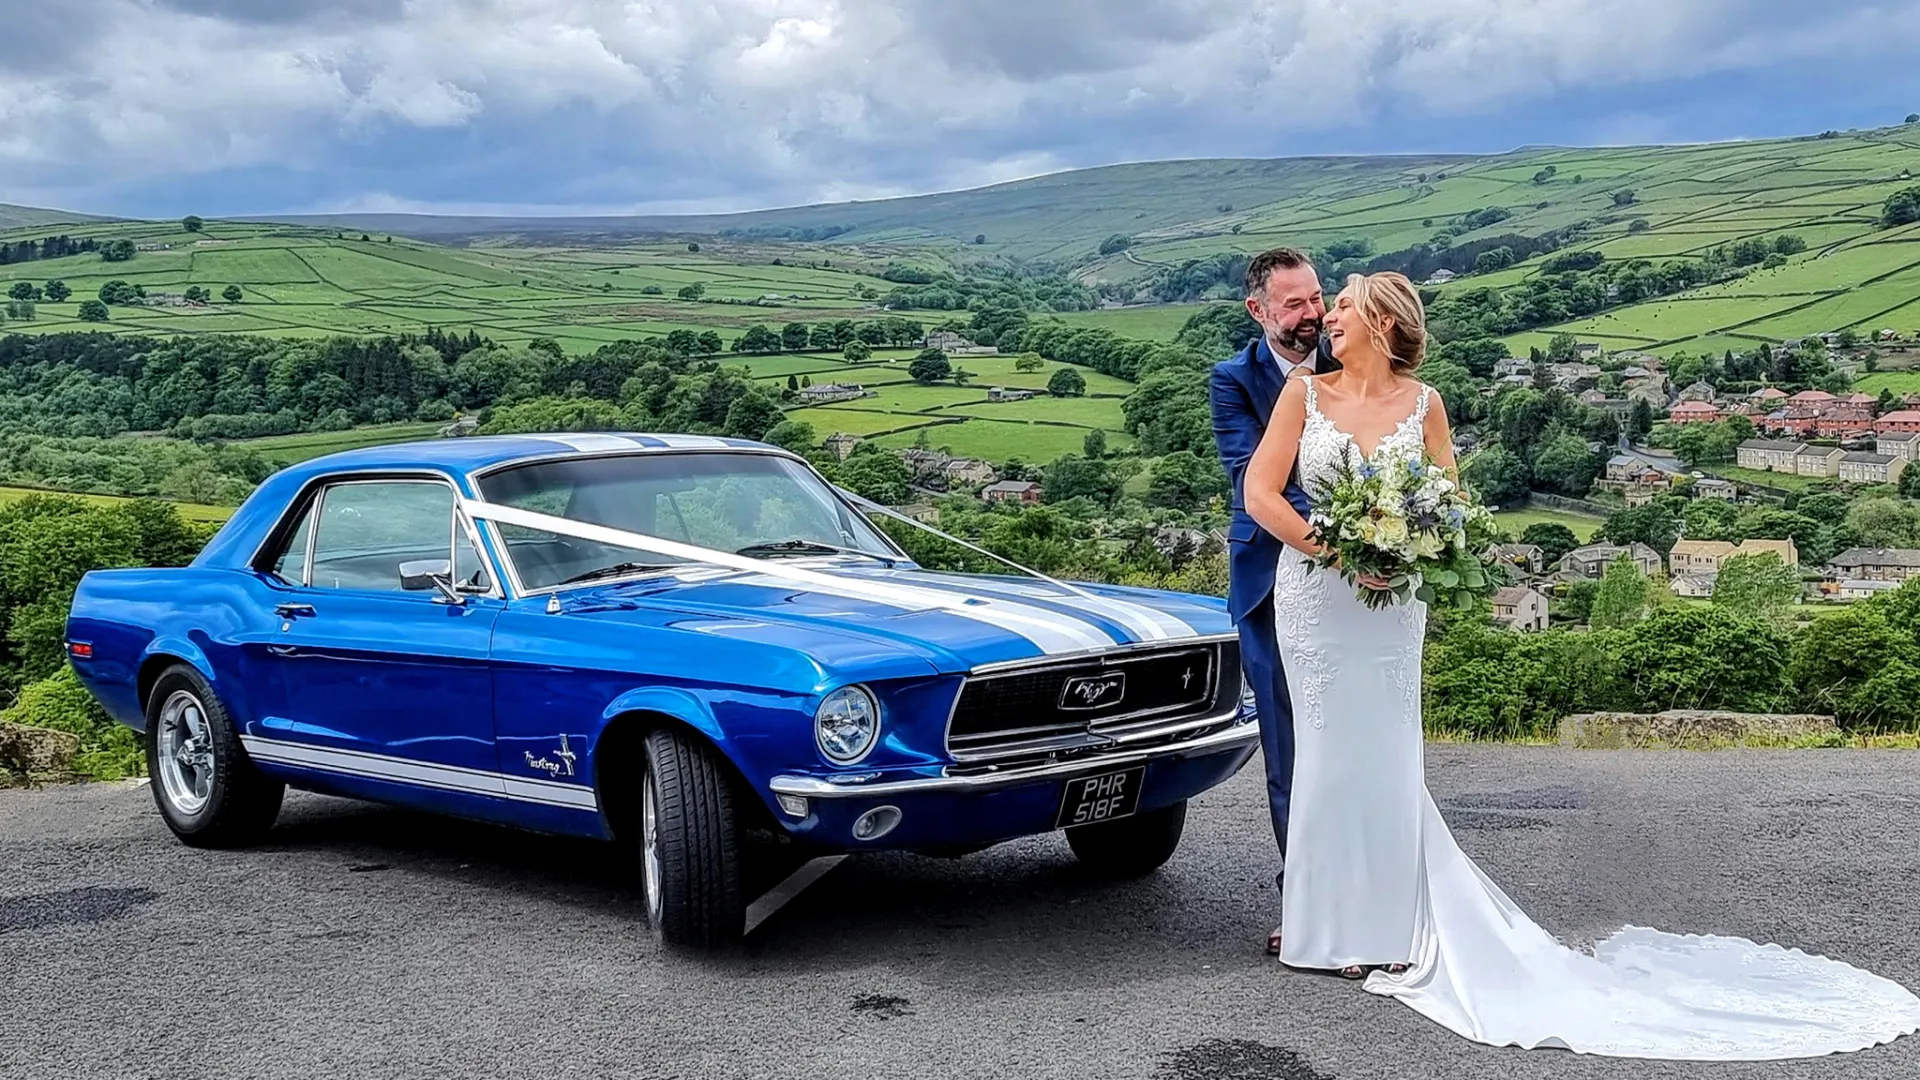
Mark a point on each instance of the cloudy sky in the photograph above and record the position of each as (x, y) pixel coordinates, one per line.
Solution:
(165, 107)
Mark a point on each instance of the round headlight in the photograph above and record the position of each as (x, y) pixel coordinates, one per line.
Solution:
(847, 725)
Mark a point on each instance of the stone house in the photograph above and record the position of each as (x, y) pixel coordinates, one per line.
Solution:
(840, 444)
(968, 471)
(1521, 608)
(1861, 467)
(1694, 586)
(1701, 390)
(1712, 487)
(1818, 461)
(1874, 564)
(1527, 557)
(1768, 455)
(1901, 444)
(820, 393)
(1001, 393)
(1591, 561)
(1704, 557)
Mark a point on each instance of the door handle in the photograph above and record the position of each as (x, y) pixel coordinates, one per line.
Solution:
(292, 611)
(282, 650)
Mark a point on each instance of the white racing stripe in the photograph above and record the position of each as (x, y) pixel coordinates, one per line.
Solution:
(420, 773)
(1051, 632)
(692, 442)
(590, 443)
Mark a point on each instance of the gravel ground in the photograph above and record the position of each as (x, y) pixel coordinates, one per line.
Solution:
(364, 941)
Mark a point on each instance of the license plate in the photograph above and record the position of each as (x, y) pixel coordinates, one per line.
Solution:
(1089, 799)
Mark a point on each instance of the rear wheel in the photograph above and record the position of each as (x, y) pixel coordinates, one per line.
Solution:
(1131, 846)
(207, 788)
(689, 845)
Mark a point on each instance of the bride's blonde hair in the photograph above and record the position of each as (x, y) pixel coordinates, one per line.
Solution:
(1389, 295)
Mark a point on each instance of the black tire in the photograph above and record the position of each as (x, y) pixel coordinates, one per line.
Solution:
(694, 894)
(1131, 846)
(240, 803)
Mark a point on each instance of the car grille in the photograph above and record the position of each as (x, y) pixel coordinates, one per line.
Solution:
(1100, 701)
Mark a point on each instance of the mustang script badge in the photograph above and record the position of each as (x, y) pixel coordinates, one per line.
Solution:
(554, 768)
(1094, 691)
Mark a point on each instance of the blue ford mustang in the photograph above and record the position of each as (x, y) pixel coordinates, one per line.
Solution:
(674, 642)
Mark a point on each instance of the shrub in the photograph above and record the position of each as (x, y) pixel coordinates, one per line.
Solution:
(108, 750)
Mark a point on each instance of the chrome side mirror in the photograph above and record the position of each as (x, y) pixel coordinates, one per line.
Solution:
(419, 575)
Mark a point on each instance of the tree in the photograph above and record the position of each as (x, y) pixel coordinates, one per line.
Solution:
(22, 290)
(1066, 382)
(1624, 597)
(117, 251)
(93, 311)
(1563, 348)
(1623, 198)
(857, 352)
(1183, 481)
(1686, 657)
(118, 292)
(1565, 465)
(1656, 525)
(709, 343)
(192, 223)
(693, 246)
(1913, 118)
(794, 435)
(1094, 446)
(196, 294)
(751, 416)
(1029, 362)
(1552, 538)
(931, 366)
(1497, 475)
(979, 238)
(793, 336)
(692, 292)
(1640, 420)
(1901, 208)
(1074, 477)
(1760, 585)
(1885, 523)
(1115, 244)
(58, 291)
(877, 474)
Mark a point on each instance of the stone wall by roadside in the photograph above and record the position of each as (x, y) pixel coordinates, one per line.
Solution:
(33, 755)
(1690, 729)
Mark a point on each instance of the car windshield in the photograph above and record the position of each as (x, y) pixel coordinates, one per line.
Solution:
(767, 505)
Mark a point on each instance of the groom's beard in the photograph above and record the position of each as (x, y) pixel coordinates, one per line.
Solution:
(1302, 339)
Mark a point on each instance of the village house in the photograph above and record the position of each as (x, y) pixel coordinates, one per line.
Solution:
(1625, 471)
(1818, 461)
(921, 512)
(819, 393)
(1692, 586)
(1527, 557)
(1874, 564)
(1861, 589)
(1904, 445)
(1712, 487)
(1699, 391)
(925, 463)
(1767, 455)
(1596, 398)
(1592, 561)
(1861, 467)
(1899, 420)
(1705, 557)
(945, 341)
(1521, 608)
(1651, 391)
(1769, 395)
(1810, 397)
(840, 444)
(1175, 542)
(1001, 393)
(1512, 365)
(1694, 412)
(969, 472)
(1440, 277)
(1574, 376)
(1024, 491)
(1588, 350)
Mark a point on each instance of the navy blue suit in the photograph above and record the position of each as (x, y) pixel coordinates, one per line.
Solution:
(1243, 391)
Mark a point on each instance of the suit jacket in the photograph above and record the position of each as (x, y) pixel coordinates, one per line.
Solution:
(1243, 391)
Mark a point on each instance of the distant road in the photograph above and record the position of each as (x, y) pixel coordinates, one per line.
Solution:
(367, 942)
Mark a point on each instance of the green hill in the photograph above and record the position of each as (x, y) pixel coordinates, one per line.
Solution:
(24, 217)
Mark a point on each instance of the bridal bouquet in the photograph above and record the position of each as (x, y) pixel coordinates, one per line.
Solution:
(1408, 522)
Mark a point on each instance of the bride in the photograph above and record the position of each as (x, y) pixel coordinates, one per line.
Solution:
(1375, 886)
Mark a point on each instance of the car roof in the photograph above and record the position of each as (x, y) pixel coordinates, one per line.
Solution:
(473, 453)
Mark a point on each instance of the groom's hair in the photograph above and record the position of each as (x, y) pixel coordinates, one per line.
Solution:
(1265, 263)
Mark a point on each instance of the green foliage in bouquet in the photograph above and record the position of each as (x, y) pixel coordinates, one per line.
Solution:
(1409, 523)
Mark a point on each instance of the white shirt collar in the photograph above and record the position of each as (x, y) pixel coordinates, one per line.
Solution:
(1288, 367)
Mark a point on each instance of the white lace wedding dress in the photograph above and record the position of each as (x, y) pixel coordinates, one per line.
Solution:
(1373, 875)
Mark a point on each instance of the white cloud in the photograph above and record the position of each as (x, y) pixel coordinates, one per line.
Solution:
(760, 101)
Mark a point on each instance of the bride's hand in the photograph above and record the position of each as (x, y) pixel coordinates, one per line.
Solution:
(1373, 581)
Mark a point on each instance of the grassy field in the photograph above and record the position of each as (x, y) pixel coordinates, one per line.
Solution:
(292, 449)
(1516, 521)
(190, 511)
(1764, 478)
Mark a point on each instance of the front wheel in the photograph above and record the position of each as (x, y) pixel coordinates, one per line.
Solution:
(207, 788)
(1131, 846)
(689, 845)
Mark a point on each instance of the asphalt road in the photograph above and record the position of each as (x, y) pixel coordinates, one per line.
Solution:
(371, 942)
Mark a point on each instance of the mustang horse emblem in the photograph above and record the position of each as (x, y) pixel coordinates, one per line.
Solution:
(554, 768)
(1093, 691)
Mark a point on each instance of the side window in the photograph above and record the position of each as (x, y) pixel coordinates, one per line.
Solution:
(290, 565)
(469, 569)
(367, 529)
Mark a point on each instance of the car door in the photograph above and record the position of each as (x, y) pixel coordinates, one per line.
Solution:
(380, 673)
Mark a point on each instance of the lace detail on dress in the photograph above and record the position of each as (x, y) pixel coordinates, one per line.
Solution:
(1298, 609)
(1324, 446)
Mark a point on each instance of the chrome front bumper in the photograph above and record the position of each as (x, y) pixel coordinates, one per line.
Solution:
(812, 787)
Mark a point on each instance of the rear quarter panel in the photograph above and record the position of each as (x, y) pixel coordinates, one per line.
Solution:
(134, 616)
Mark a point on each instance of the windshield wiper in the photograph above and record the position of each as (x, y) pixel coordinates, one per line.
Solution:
(616, 570)
(810, 547)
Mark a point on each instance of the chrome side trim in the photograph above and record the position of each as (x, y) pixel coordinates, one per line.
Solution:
(816, 788)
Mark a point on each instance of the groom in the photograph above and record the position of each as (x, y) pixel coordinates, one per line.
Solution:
(1283, 296)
